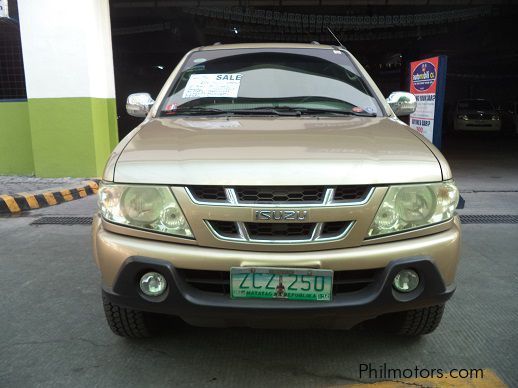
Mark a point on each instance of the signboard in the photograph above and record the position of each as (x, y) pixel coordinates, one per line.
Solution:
(212, 85)
(4, 9)
(427, 83)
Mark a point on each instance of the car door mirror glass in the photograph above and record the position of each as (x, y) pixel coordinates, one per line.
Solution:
(139, 104)
(402, 103)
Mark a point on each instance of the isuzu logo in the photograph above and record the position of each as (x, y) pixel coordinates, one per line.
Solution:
(281, 215)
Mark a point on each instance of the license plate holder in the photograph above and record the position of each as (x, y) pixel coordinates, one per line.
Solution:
(302, 284)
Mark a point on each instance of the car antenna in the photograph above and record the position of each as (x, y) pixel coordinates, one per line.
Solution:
(334, 36)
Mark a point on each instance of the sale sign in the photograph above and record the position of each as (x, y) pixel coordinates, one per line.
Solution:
(423, 84)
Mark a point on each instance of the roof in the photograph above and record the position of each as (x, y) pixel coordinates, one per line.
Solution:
(265, 45)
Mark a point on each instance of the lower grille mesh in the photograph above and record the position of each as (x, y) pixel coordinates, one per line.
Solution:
(331, 229)
(225, 228)
(260, 231)
(279, 231)
(219, 281)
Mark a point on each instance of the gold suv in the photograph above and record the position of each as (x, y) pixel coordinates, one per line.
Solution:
(273, 185)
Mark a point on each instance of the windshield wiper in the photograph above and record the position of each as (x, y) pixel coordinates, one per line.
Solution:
(279, 111)
(298, 111)
(198, 111)
(336, 112)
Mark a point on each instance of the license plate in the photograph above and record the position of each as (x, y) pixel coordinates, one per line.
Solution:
(281, 283)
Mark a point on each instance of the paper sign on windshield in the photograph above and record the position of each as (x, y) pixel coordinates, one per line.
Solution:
(212, 85)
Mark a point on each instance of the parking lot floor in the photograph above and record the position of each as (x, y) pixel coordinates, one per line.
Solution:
(53, 333)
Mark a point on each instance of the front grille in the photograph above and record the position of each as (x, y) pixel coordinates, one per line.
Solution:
(350, 193)
(290, 197)
(209, 281)
(264, 194)
(350, 281)
(225, 228)
(251, 195)
(209, 193)
(219, 281)
(333, 229)
(480, 116)
(258, 231)
(281, 231)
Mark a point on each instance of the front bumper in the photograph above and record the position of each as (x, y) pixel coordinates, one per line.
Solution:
(212, 309)
(477, 125)
(123, 259)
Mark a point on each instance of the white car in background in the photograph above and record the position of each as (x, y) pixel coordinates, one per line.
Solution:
(476, 115)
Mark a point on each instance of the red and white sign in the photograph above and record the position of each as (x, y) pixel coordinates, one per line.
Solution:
(423, 84)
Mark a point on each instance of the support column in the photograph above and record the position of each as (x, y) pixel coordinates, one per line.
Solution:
(68, 64)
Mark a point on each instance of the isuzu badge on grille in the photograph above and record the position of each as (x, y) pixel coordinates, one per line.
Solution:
(281, 215)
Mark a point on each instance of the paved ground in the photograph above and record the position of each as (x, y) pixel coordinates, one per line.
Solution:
(485, 167)
(52, 329)
(483, 161)
(17, 184)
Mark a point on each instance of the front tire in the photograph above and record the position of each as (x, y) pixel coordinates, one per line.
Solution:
(127, 322)
(413, 322)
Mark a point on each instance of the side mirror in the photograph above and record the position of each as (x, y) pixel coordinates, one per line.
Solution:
(139, 104)
(402, 103)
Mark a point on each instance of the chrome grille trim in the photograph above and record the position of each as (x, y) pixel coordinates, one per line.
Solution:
(328, 200)
(328, 196)
(316, 235)
(231, 196)
(243, 232)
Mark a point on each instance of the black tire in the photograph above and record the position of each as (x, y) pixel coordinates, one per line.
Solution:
(413, 322)
(128, 323)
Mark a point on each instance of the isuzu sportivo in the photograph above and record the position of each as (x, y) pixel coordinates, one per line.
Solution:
(273, 185)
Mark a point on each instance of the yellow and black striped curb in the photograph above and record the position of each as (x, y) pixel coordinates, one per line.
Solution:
(27, 201)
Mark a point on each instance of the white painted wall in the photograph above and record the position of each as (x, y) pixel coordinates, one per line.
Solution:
(67, 48)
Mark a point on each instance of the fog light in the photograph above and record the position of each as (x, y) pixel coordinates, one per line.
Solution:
(153, 284)
(406, 280)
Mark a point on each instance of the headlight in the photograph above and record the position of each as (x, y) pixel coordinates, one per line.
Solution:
(146, 207)
(495, 117)
(462, 117)
(413, 206)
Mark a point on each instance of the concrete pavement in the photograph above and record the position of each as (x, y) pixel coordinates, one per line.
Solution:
(53, 331)
(17, 184)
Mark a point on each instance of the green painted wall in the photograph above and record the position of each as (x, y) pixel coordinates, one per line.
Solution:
(15, 139)
(72, 136)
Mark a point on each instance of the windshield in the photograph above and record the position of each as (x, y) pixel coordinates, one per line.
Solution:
(270, 81)
(475, 105)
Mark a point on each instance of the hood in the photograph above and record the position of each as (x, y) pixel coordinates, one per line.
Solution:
(276, 151)
(475, 111)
